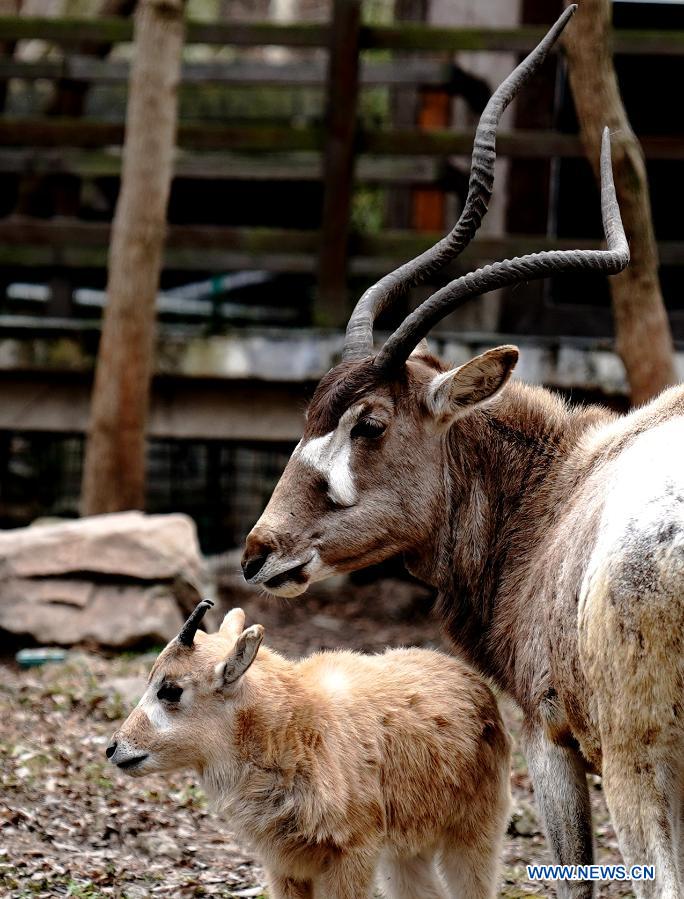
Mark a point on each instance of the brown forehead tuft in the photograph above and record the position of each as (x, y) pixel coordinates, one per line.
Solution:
(176, 661)
(173, 659)
(339, 389)
(432, 362)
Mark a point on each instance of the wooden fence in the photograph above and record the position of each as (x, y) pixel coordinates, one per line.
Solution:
(339, 154)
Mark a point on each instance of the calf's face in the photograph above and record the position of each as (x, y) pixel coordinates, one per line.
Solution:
(182, 718)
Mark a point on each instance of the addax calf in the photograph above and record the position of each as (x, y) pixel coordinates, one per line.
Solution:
(336, 767)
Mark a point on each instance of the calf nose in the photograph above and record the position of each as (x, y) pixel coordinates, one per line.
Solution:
(111, 749)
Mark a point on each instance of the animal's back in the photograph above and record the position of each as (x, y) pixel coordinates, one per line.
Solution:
(434, 730)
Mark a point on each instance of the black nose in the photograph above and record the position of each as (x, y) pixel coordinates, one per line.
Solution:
(252, 566)
(111, 749)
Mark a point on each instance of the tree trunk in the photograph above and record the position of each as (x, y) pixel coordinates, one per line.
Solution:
(114, 466)
(643, 339)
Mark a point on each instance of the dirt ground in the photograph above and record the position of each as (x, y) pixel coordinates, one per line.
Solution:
(70, 825)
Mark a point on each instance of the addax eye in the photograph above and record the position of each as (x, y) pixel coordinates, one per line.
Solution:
(169, 693)
(368, 427)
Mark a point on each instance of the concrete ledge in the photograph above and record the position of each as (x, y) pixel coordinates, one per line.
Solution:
(251, 385)
(293, 355)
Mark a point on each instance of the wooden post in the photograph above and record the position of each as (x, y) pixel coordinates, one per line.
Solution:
(114, 467)
(7, 8)
(342, 95)
(642, 331)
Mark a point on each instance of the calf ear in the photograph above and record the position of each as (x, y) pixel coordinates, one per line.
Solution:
(456, 392)
(241, 656)
(233, 624)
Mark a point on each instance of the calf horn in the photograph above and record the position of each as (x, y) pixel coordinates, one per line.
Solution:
(359, 337)
(189, 629)
(525, 268)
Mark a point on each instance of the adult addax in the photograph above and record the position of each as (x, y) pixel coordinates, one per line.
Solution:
(555, 536)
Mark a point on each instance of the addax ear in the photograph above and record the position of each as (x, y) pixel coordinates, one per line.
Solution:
(233, 624)
(422, 348)
(242, 655)
(458, 391)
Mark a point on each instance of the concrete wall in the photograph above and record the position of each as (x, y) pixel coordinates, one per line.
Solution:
(250, 386)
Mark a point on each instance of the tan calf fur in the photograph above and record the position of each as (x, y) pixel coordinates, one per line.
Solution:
(339, 769)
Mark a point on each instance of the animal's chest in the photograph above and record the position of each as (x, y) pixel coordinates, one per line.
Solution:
(560, 697)
(272, 827)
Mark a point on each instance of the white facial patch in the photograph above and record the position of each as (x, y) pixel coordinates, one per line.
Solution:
(330, 456)
(159, 718)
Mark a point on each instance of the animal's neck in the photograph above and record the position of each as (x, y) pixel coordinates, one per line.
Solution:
(280, 714)
(274, 732)
(505, 466)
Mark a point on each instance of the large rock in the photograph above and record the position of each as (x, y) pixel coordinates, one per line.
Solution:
(112, 580)
(127, 544)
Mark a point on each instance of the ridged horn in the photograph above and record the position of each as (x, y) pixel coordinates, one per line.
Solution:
(511, 271)
(359, 337)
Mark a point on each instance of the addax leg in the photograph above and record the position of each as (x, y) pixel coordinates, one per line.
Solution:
(410, 878)
(562, 795)
(644, 807)
(287, 888)
(631, 647)
(471, 872)
(349, 878)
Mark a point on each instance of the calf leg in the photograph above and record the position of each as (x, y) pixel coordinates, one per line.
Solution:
(287, 888)
(679, 833)
(562, 795)
(351, 877)
(471, 872)
(410, 878)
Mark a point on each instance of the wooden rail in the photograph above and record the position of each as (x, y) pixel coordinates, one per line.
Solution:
(225, 166)
(403, 36)
(204, 136)
(233, 72)
(65, 132)
(70, 243)
(339, 155)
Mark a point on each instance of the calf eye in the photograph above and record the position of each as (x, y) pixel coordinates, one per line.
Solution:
(169, 693)
(368, 427)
